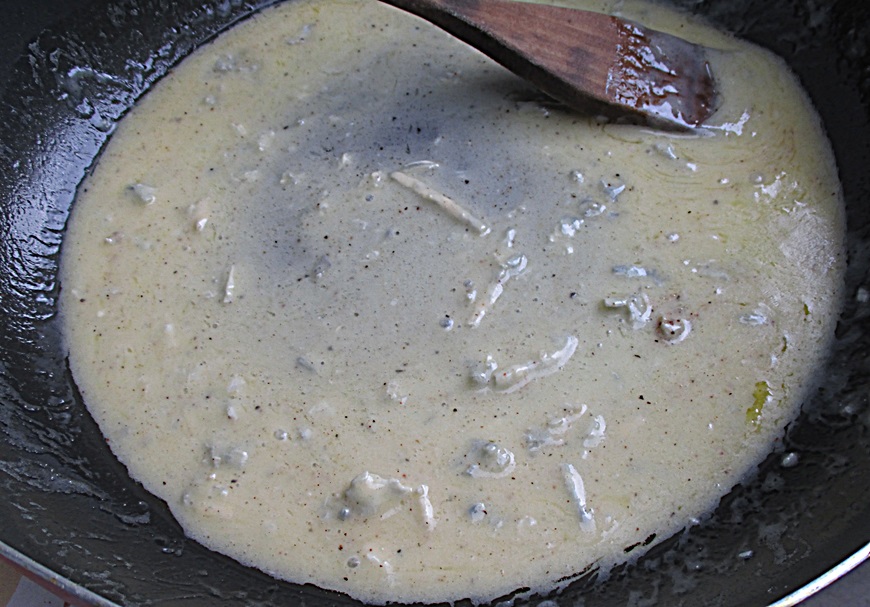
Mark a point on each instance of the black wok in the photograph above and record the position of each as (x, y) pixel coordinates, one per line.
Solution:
(71, 514)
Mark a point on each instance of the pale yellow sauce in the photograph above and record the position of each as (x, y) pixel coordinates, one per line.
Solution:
(332, 373)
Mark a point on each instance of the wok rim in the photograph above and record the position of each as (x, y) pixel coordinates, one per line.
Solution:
(52, 580)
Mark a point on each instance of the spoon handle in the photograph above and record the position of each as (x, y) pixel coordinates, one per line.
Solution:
(587, 60)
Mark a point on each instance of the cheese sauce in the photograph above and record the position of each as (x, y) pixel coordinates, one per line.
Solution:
(368, 312)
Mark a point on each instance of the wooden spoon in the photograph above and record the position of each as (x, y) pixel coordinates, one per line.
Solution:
(586, 60)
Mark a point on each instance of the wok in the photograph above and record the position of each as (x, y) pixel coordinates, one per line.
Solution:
(73, 516)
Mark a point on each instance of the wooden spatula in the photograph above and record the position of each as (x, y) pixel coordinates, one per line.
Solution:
(586, 60)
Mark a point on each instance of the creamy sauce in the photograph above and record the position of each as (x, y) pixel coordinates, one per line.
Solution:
(368, 312)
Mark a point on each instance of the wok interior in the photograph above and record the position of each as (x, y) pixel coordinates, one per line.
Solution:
(73, 509)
